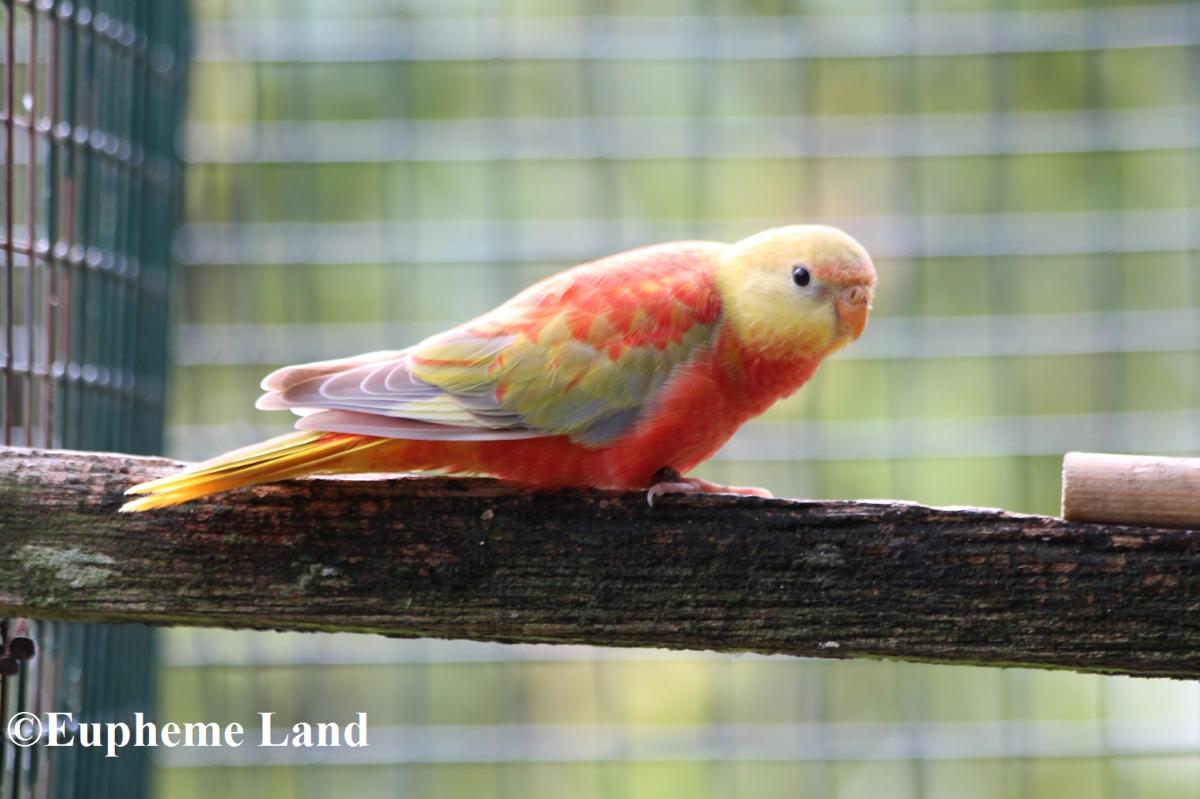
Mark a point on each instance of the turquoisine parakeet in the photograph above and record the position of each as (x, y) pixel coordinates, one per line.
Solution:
(621, 373)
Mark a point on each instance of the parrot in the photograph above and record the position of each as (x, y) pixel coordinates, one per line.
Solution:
(621, 373)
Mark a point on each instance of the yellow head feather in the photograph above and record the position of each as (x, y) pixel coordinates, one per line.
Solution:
(774, 307)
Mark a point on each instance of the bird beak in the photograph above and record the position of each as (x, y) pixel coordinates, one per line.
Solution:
(853, 304)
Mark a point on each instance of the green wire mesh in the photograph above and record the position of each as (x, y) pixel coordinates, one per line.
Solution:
(93, 95)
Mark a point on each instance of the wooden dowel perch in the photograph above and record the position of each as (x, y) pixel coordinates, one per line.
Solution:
(1131, 489)
(473, 559)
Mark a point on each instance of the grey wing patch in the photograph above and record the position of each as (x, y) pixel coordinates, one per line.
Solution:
(609, 428)
(382, 397)
(370, 424)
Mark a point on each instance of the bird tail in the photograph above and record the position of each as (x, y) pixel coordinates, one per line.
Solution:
(287, 456)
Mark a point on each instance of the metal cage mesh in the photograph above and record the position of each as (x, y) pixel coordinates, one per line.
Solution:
(93, 95)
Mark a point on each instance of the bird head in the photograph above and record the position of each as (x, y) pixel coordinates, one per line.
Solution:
(801, 290)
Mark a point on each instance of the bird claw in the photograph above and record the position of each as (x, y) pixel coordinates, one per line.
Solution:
(694, 485)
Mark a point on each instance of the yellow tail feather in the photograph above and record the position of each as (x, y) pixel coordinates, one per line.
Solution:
(279, 458)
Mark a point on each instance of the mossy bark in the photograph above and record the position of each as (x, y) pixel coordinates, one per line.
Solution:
(459, 558)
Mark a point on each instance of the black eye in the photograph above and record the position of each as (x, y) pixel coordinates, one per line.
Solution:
(801, 277)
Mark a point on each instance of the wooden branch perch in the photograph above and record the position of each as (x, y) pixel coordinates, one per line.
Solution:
(472, 559)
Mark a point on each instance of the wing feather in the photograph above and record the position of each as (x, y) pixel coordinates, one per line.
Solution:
(370, 424)
(581, 354)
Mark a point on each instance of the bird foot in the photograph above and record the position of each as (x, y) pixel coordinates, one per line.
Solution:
(669, 481)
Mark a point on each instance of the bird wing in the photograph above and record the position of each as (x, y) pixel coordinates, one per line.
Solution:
(580, 354)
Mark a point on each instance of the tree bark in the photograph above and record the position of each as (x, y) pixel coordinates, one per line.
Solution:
(471, 558)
